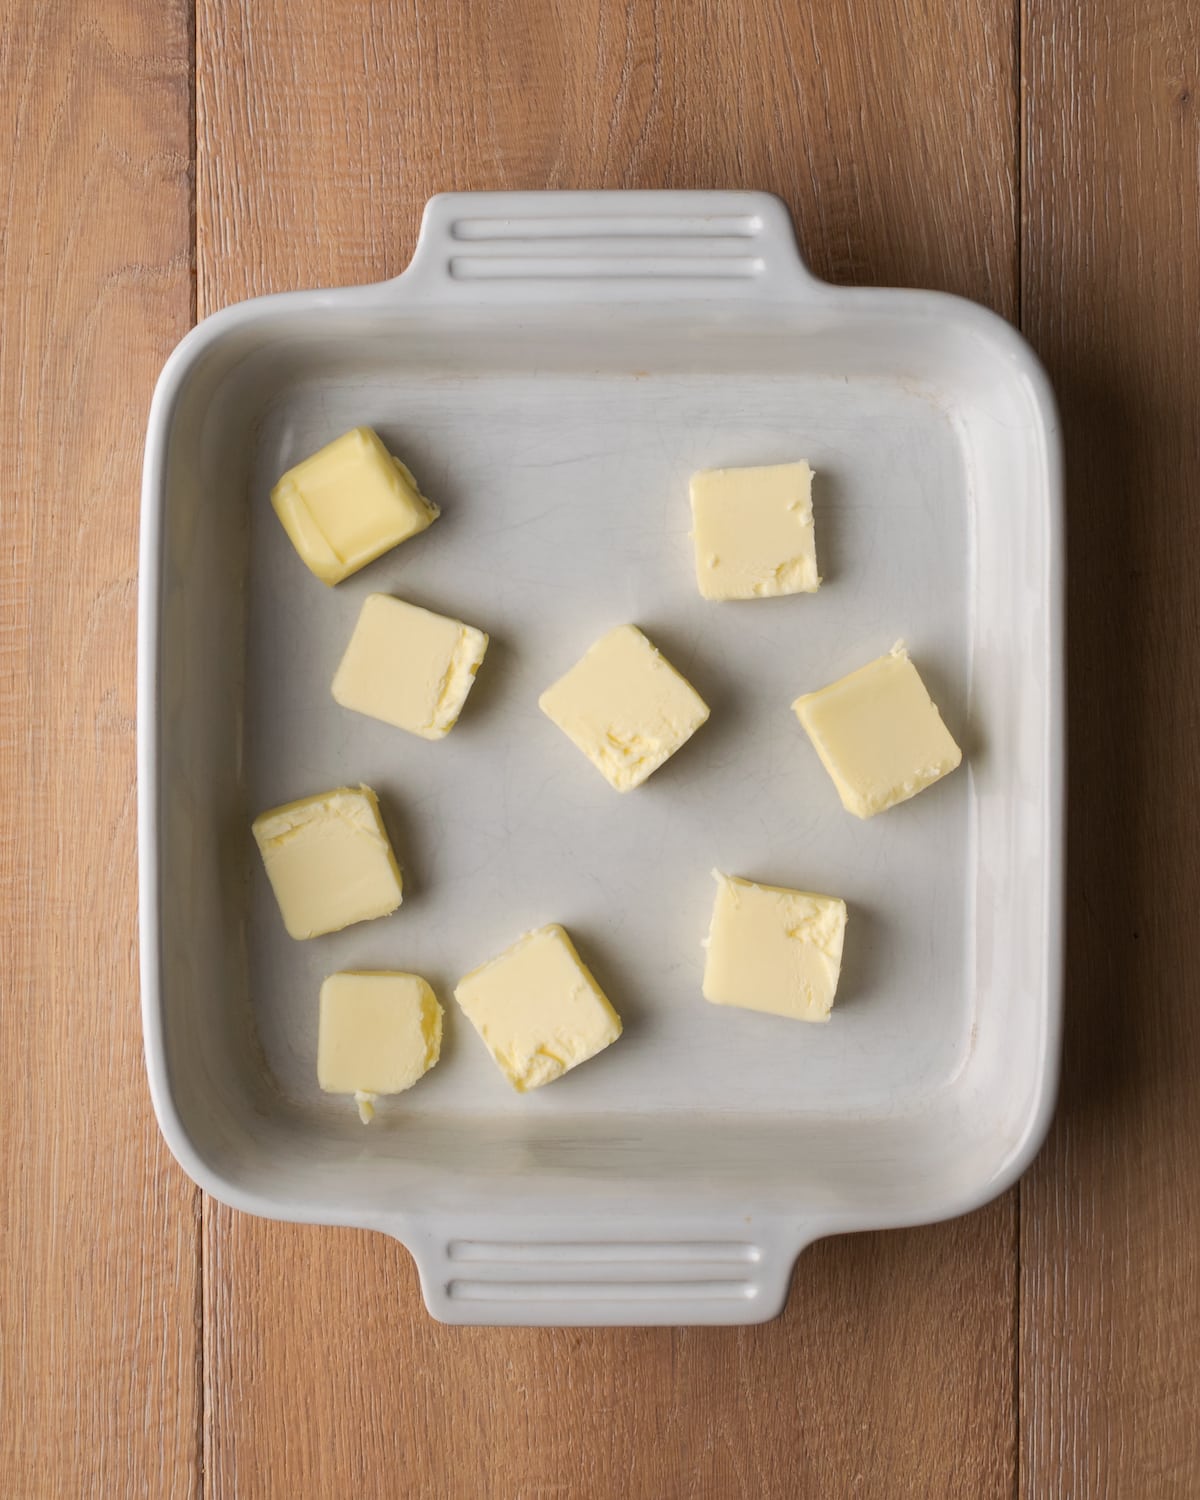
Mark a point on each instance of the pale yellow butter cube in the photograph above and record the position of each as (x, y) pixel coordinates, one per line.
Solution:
(625, 706)
(329, 861)
(753, 532)
(408, 666)
(538, 1009)
(879, 734)
(774, 949)
(378, 1034)
(349, 503)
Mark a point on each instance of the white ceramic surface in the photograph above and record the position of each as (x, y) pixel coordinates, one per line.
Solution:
(553, 367)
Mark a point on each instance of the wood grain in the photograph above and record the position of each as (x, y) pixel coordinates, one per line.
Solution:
(99, 1234)
(893, 136)
(1110, 1220)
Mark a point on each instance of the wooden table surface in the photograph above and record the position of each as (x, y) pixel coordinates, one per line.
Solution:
(159, 162)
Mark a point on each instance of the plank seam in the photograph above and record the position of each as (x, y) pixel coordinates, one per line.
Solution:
(1019, 243)
(191, 12)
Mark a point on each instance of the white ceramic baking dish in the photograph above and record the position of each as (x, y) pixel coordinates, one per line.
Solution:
(553, 367)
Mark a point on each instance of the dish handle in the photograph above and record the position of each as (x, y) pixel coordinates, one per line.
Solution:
(606, 247)
(690, 1274)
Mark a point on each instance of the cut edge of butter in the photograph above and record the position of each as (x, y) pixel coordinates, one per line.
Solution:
(465, 662)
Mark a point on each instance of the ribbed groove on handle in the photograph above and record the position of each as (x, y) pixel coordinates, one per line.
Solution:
(595, 227)
(625, 1252)
(732, 1289)
(628, 265)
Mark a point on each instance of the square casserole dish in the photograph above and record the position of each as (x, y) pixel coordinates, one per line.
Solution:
(553, 367)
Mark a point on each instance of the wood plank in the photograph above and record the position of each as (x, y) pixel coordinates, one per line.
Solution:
(1110, 1216)
(888, 1374)
(893, 136)
(99, 1232)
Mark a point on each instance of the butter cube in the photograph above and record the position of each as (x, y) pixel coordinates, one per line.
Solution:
(349, 503)
(879, 734)
(408, 666)
(329, 861)
(774, 949)
(625, 706)
(538, 1009)
(378, 1034)
(753, 532)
